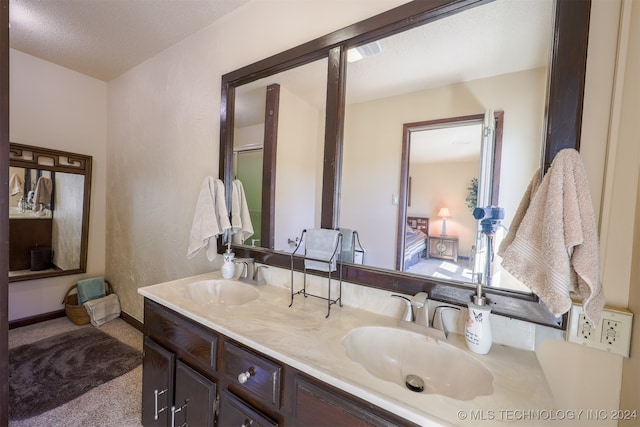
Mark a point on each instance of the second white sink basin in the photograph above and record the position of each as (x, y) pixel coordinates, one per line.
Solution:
(394, 354)
(228, 292)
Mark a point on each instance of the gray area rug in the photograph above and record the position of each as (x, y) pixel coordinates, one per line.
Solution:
(53, 371)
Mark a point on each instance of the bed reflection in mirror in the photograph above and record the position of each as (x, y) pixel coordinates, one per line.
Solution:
(48, 212)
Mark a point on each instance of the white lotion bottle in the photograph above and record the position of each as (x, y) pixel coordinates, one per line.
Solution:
(477, 331)
(228, 267)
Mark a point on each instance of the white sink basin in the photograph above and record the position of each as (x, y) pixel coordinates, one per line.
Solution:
(227, 292)
(392, 354)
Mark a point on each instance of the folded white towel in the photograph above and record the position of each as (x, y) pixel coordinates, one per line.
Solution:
(42, 196)
(240, 217)
(555, 249)
(102, 310)
(15, 185)
(209, 220)
(321, 244)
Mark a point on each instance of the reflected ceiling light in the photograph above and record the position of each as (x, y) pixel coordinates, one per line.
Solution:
(364, 51)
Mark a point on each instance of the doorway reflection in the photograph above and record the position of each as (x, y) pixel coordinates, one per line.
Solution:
(443, 169)
(247, 163)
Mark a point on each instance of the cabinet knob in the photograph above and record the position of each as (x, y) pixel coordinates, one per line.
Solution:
(247, 423)
(244, 376)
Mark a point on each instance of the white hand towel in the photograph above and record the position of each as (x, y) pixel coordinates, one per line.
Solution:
(321, 245)
(555, 249)
(15, 185)
(42, 196)
(240, 217)
(209, 220)
(102, 310)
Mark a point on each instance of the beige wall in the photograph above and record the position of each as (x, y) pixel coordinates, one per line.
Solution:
(629, 130)
(163, 136)
(297, 169)
(436, 185)
(54, 107)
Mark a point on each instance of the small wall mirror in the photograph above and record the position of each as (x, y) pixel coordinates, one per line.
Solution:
(48, 212)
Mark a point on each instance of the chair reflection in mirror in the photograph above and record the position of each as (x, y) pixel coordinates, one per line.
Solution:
(322, 248)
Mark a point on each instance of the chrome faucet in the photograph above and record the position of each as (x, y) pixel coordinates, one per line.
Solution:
(250, 272)
(417, 308)
(438, 317)
(248, 266)
(420, 304)
(259, 278)
(416, 316)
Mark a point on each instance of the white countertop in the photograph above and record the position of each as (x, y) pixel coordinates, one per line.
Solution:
(16, 213)
(303, 338)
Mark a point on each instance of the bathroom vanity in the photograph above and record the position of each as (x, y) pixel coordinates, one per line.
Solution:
(215, 376)
(216, 358)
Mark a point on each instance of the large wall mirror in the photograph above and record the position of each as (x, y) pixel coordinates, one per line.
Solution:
(48, 212)
(427, 111)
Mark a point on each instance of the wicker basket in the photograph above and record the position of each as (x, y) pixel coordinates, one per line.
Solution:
(77, 313)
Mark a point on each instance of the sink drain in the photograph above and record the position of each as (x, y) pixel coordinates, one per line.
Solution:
(414, 383)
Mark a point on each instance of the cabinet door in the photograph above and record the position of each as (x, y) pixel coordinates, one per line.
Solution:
(235, 412)
(157, 384)
(194, 398)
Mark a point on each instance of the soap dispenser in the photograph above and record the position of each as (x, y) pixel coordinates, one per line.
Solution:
(477, 331)
(228, 267)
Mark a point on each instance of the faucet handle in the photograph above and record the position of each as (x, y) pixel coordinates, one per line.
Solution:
(258, 276)
(245, 260)
(408, 313)
(419, 299)
(438, 317)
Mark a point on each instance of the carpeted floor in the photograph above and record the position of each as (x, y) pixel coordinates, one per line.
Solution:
(443, 269)
(116, 403)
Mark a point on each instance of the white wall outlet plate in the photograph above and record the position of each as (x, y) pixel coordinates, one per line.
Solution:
(612, 334)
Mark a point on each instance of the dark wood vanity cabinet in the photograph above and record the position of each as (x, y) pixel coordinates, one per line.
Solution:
(195, 376)
(158, 373)
(25, 235)
(174, 394)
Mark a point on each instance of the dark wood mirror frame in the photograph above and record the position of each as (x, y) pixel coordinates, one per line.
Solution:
(563, 126)
(57, 161)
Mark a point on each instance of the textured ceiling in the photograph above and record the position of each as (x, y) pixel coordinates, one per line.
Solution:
(105, 38)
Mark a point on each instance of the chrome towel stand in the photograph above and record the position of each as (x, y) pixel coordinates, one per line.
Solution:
(329, 262)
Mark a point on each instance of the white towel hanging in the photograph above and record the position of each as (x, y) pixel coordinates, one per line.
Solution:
(42, 196)
(209, 220)
(240, 217)
(15, 185)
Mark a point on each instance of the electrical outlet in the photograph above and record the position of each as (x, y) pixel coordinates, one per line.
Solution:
(611, 330)
(612, 334)
(585, 328)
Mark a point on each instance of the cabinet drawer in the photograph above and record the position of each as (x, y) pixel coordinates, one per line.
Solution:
(336, 409)
(253, 373)
(235, 412)
(186, 339)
